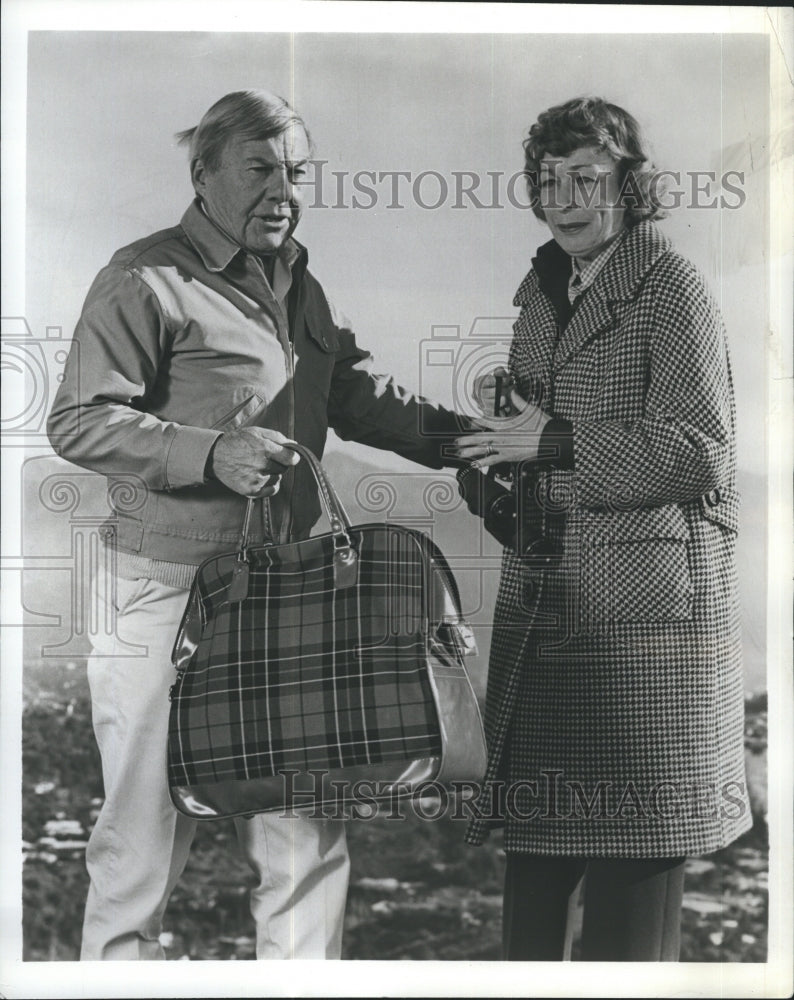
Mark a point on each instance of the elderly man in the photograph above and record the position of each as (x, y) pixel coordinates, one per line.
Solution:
(205, 349)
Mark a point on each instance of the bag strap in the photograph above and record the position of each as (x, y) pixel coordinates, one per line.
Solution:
(345, 558)
(337, 514)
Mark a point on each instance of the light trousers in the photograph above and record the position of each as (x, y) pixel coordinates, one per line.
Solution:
(140, 843)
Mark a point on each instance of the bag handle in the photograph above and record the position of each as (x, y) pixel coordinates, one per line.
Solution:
(345, 558)
(337, 515)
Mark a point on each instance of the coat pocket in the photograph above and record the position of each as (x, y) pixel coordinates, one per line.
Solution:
(127, 592)
(239, 414)
(323, 334)
(635, 567)
(721, 505)
(318, 319)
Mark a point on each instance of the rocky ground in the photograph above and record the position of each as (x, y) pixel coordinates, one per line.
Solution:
(417, 891)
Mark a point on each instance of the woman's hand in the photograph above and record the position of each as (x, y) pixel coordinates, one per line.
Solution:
(485, 392)
(505, 439)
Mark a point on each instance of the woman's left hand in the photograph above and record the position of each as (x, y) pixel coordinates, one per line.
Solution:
(505, 439)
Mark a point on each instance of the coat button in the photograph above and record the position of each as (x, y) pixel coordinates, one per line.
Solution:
(528, 594)
(325, 341)
(713, 498)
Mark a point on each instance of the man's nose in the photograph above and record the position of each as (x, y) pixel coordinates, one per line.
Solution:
(280, 187)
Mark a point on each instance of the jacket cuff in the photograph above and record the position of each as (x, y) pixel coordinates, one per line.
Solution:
(187, 457)
(556, 444)
(209, 475)
(446, 428)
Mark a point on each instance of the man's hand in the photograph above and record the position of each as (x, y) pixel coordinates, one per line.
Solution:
(251, 460)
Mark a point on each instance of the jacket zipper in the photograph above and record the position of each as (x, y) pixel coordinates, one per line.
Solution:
(288, 348)
(291, 435)
(289, 356)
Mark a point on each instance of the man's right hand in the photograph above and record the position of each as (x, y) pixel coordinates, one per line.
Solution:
(251, 460)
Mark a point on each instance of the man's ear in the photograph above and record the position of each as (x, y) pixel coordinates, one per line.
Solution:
(198, 174)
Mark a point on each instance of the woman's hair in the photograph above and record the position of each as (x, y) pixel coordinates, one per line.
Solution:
(591, 121)
(243, 114)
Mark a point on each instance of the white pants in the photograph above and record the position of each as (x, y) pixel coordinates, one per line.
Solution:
(140, 843)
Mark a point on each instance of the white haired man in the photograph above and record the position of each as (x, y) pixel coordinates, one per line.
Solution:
(204, 349)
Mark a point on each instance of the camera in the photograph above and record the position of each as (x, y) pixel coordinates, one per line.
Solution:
(487, 498)
(513, 517)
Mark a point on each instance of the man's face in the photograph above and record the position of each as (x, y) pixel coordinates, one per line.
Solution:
(580, 195)
(255, 194)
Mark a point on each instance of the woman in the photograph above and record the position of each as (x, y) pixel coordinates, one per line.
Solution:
(615, 705)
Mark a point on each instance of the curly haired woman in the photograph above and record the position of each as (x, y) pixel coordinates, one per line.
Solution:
(615, 704)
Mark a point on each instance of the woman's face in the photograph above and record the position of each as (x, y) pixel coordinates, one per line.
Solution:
(579, 196)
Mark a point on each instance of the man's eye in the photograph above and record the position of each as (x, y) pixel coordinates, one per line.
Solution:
(546, 182)
(298, 172)
(583, 181)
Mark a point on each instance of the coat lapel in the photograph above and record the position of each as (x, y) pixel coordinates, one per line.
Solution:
(589, 321)
(535, 329)
(620, 280)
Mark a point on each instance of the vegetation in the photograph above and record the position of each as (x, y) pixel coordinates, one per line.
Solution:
(417, 891)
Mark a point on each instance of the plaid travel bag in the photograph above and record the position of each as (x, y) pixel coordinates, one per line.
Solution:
(321, 673)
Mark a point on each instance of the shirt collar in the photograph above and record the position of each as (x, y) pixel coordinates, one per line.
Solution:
(584, 273)
(216, 249)
(639, 249)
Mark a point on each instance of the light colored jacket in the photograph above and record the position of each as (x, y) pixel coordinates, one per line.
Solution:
(181, 339)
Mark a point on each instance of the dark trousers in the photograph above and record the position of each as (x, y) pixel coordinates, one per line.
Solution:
(632, 908)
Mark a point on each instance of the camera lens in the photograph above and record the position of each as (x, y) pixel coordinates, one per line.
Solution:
(490, 500)
(498, 508)
(500, 519)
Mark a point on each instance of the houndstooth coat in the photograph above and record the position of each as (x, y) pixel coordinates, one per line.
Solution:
(614, 710)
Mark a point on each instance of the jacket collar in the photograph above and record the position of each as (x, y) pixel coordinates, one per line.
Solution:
(619, 280)
(641, 248)
(217, 250)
